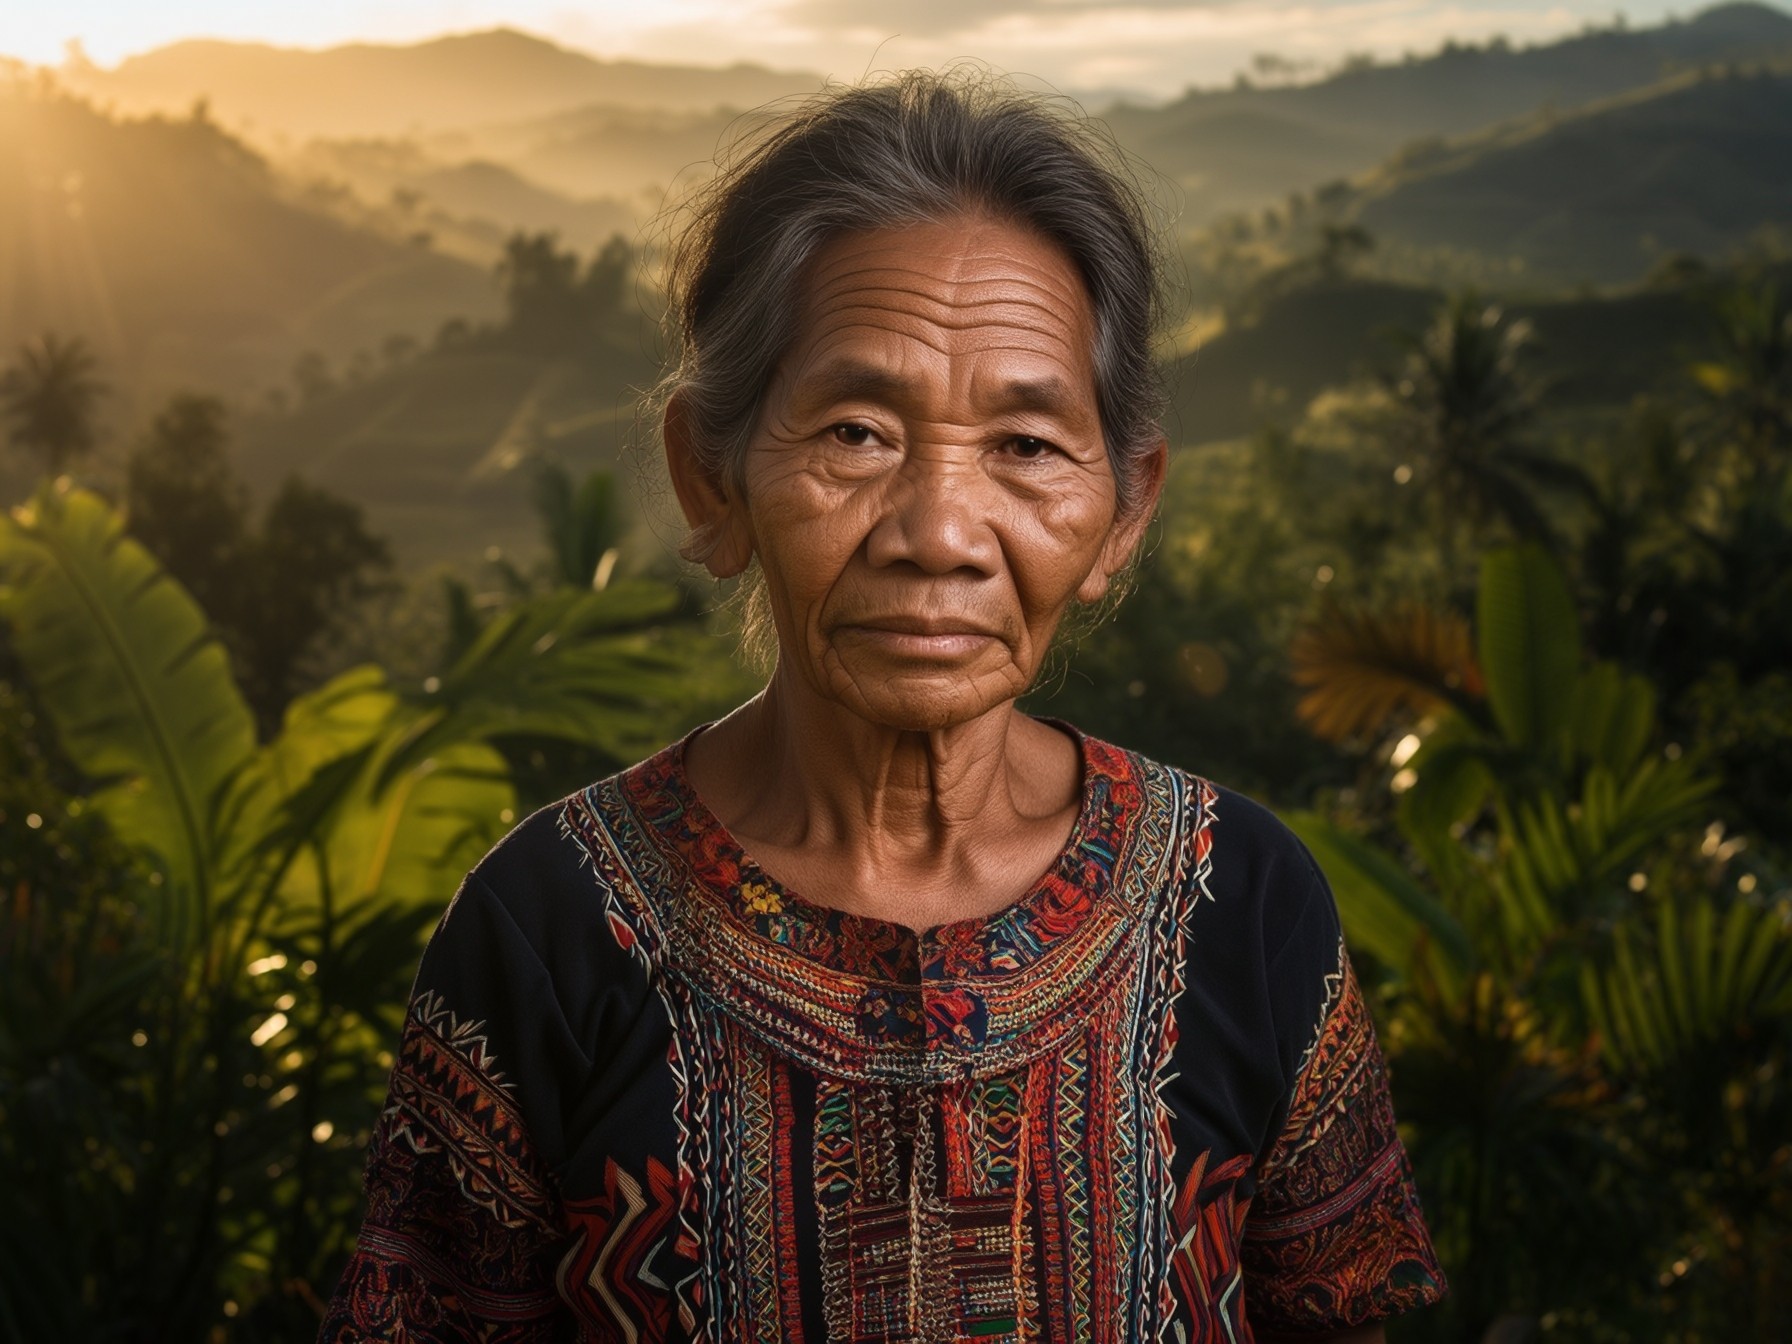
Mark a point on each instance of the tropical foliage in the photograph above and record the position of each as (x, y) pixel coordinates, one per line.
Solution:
(48, 396)
(198, 1049)
(277, 591)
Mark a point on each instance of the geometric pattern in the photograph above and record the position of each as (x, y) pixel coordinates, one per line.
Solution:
(867, 1133)
(987, 1159)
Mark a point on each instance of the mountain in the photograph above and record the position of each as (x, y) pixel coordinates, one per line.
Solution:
(1243, 147)
(366, 89)
(592, 130)
(607, 150)
(187, 261)
(1697, 165)
(437, 450)
(469, 205)
(1595, 354)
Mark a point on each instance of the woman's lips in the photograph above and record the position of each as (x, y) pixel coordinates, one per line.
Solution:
(908, 637)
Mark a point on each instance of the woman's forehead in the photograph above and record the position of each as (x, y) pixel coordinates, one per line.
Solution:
(969, 289)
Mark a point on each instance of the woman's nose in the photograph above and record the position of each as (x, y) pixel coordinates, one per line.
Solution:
(936, 515)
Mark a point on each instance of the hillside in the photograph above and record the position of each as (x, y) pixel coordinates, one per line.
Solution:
(367, 89)
(186, 261)
(1243, 147)
(1600, 353)
(490, 192)
(469, 205)
(607, 150)
(437, 450)
(1698, 165)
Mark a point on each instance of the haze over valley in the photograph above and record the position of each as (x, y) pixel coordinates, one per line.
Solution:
(320, 236)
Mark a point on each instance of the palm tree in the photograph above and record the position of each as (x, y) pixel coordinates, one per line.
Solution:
(581, 524)
(1580, 1000)
(1750, 383)
(49, 395)
(1463, 411)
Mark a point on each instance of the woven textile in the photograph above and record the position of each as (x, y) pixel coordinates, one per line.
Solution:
(647, 1093)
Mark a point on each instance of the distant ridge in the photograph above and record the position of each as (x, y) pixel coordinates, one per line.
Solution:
(457, 81)
(587, 127)
(1243, 147)
(1696, 165)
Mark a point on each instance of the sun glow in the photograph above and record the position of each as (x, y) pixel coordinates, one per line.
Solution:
(1153, 48)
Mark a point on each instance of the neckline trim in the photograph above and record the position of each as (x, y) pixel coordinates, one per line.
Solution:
(860, 997)
(724, 873)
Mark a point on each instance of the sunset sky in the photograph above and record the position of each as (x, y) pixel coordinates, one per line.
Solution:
(1154, 46)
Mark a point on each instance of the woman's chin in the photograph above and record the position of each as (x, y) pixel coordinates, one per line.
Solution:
(919, 702)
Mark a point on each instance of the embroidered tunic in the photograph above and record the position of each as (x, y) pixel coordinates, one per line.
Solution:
(646, 1093)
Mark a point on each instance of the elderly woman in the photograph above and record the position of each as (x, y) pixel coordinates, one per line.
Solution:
(879, 1010)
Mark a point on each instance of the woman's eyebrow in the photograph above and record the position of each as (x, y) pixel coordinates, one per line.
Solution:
(1048, 396)
(852, 380)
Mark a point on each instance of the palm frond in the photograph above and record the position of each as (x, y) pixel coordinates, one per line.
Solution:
(1363, 670)
(1705, 980)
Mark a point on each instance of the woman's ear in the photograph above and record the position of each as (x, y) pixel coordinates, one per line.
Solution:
(1128, 531)
(719, 539)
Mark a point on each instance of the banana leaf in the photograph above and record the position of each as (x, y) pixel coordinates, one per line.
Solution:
(399, 838)
(1528, 644)
(138, 689)
(1384, 911)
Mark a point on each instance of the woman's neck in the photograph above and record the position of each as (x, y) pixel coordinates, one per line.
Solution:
(916, 826)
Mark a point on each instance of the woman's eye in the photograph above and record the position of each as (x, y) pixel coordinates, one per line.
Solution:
(853, 436)
(1026, 446)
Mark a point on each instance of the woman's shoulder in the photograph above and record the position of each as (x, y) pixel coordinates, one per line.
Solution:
(1259, 848)
(1256, 852)
(538, 875)
(1253, 870)
(543, 876)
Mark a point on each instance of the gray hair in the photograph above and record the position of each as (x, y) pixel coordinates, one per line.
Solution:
(920, 148)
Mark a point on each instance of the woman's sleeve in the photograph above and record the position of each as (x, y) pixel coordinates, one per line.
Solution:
(1335, 1238)
(462, 1233)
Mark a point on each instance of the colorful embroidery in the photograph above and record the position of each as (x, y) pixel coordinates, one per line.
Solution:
(1209, 1219)
(619, 1238)
(1336, 1237)
(804, 1126)
(459, 1213)
(989, 1158)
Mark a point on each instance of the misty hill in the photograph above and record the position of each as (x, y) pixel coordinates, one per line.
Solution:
(366, 89)
(438, 450)
(467, 205)
(1599, 353)
(1698, 166)
(1243, 147)
(607, 150)
(186, 260)
(489, 191)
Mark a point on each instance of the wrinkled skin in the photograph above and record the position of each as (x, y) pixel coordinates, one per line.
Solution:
(927, 492)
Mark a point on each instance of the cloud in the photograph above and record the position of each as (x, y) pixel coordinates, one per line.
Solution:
(1153, 47)
(947, 18)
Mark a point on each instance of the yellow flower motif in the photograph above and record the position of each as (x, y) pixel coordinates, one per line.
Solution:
(760, 899)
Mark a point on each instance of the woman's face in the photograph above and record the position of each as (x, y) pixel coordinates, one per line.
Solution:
(928, 489)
